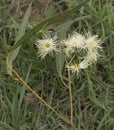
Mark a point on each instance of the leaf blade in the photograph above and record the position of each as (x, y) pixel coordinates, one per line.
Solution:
(21, 32)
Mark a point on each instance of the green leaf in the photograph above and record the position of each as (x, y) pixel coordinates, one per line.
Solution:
(60, 62)
(23, 89)
(62, 29)
(5, 126)
(92, 94)
(7, 12)
(104, 119)
(21, 32)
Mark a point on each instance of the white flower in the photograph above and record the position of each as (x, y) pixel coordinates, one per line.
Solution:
(92, 42)
(76, 67)
(75, 41)
(78, 41)
(46, 46)
(92, 56)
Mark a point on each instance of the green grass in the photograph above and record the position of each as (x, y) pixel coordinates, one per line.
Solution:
(93, 90)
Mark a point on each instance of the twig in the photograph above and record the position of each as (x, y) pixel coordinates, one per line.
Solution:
(70, 93)
(36, 95)
(64, 83)
(72, 58)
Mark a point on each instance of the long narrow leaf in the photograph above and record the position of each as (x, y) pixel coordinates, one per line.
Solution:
(60, 63)
(48, 22)
(92, 94)
(8, 10)
(20, 33)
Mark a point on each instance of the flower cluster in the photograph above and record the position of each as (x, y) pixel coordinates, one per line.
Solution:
(79, 44)
(86, 47)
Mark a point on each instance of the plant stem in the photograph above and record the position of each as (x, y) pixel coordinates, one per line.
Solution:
(70, 93)
(36, 95)
(64, 83)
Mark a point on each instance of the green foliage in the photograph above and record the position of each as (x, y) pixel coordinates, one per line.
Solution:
(93, 90)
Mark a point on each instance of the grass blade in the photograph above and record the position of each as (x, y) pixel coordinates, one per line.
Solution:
(20, 33)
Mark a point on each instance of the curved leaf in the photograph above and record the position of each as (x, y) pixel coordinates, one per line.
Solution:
(14, 52)
(48, 22)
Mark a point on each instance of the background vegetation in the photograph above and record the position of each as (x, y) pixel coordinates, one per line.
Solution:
(93, 90)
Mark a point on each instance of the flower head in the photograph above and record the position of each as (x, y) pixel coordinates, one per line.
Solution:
(75, 41)
(92, 42)
(77, 67)
(91, 56)
(46, 46)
